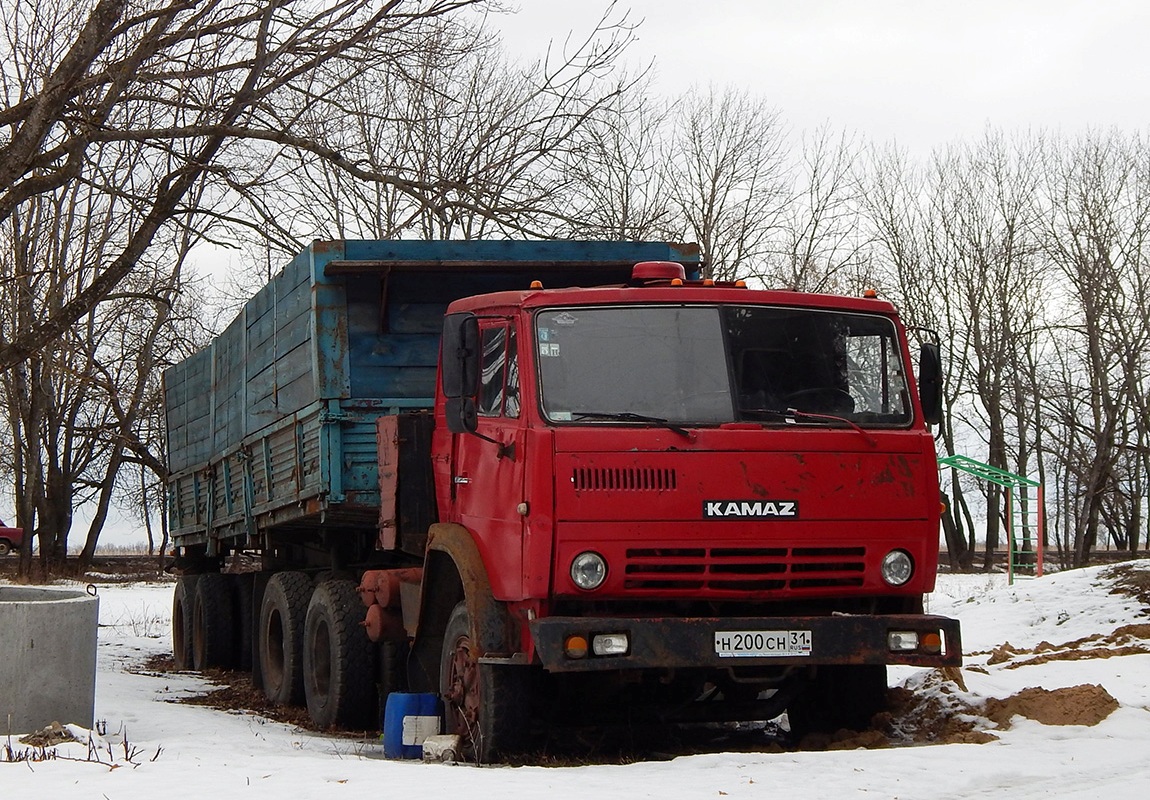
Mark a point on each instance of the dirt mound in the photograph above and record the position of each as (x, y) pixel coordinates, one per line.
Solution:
(1124, 641)
(1129, 580)
(1085, 704)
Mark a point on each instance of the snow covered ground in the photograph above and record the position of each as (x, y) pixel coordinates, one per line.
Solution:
(153, 748)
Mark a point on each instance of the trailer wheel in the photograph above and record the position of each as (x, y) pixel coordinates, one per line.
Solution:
(839, 696)
(338, 659)
(486, 704)
(280, 634)
(213, 622)
(183, 597)
(243, 585)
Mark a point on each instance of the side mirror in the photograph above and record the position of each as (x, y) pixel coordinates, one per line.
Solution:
(459, 370)
(930, 382)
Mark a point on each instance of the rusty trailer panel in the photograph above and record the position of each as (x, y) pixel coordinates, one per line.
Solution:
(667, 642)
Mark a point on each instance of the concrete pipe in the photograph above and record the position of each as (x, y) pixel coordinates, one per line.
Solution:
(47, 657)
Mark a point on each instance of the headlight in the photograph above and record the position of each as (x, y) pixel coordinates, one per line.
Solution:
(588, 570)
(897, 567)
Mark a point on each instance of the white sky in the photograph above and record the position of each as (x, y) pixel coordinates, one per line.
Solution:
(920, 72)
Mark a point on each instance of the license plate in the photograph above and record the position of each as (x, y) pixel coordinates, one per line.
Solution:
(762, 644)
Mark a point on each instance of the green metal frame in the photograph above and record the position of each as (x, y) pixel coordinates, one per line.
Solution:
(1024, 510)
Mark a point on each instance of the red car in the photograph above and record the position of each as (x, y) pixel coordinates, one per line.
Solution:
(10, 538)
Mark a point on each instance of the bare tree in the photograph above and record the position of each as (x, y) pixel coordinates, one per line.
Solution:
(1096, 235)
(206, 72)
(617, 184)
(487, 139)
(727, 175)
(819, 244)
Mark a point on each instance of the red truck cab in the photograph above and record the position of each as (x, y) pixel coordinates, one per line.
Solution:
(678, 489)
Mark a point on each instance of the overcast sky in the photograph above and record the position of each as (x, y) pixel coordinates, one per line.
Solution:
(922, 73)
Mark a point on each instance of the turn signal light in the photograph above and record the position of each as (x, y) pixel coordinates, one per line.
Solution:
(575, 647)
(932, 643)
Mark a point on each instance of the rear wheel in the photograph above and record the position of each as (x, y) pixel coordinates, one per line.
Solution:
(213, 622)
(486, 704)
(5, 548)
(280, 636)
(243, 585)
(338, 659)
(839, 696)
(183, 597)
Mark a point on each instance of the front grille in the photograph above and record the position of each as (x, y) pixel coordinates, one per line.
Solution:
(622, 479)
(743, 569)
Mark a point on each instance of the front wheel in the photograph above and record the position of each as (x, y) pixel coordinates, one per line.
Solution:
(486, 704)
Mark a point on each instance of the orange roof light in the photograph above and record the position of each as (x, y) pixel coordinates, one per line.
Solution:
(870, 294)
(536, 284)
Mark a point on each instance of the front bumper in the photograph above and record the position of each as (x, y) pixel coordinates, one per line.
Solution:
(671, 642)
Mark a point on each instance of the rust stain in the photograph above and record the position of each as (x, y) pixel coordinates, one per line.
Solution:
(756, 488)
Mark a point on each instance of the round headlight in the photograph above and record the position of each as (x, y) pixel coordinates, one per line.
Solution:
(897, 567)
(588, 570)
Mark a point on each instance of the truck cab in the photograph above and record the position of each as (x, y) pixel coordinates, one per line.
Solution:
(695, 488)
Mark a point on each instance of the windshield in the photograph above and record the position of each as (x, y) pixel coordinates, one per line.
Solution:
(713, 364)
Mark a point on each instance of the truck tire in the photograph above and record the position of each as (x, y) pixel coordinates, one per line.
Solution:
(280, 636)
(338, 659)
(392, 672)
(183, 597)
(486, 704)
(213, 622)
(840, 696)
(243, 584)
(5, 547)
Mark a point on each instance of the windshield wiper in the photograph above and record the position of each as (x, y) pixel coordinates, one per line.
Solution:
(630, 416)
(796, 414)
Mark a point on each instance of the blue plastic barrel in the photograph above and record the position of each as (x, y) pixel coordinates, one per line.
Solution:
(408, 719)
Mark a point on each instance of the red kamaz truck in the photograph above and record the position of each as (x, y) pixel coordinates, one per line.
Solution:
(555, 480)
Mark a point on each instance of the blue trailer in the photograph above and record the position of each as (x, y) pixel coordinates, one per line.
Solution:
(272, 427)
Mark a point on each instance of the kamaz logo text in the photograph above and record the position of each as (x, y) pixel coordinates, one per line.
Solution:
(749, 509)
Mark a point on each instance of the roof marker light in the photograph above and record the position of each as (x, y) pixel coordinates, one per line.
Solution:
(870, 294)
(536, 284)
(657, 271)
(741, 284)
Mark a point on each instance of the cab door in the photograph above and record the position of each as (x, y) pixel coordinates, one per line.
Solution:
(487, 474)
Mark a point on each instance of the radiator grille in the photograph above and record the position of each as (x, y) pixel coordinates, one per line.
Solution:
(743, 569)
(623, 479)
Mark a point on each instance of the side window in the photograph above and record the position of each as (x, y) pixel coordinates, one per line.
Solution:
(511, 386)
(499, 378)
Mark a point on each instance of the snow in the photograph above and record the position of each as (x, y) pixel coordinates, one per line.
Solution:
(150, 747)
